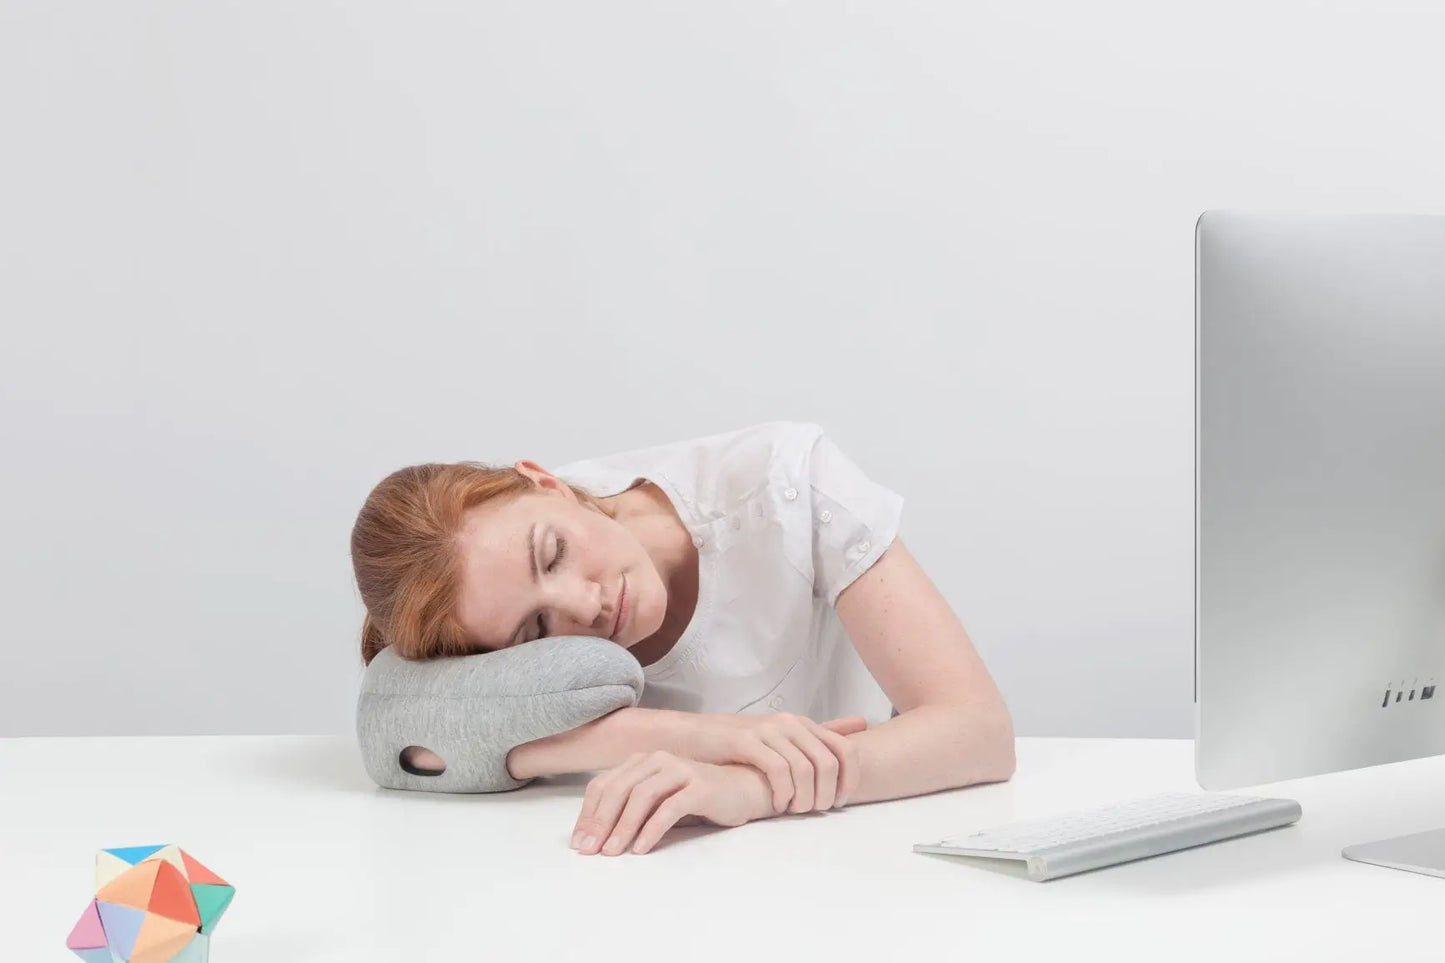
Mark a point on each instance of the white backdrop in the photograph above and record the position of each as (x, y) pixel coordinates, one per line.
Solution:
(253, 256)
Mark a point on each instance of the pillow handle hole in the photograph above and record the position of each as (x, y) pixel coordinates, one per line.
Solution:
(420, 761)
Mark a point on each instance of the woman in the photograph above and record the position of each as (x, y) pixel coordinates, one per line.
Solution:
(757, 577)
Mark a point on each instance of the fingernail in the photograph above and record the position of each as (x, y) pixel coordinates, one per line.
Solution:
(612, 848)
(637, 847)
(587, 842)
(576, 838)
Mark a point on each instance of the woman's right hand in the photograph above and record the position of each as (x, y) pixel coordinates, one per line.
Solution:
(809, 765)
(635, 803)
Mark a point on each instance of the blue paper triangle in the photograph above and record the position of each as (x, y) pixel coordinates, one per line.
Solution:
(100, 955)
(134, 854)
(122, 925)
(196, 951)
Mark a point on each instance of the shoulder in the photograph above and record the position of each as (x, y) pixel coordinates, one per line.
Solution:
(713, 472)
(770, 443)
(724, 469)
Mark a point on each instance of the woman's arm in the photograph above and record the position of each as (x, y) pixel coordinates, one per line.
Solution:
(599, 744)
(953, 728)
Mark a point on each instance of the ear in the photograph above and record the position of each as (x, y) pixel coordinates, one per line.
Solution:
(544, 479)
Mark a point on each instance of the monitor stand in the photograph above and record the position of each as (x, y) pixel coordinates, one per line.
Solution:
(1418, 853)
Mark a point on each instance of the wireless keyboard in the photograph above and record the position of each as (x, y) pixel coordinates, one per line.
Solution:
(1136, 829)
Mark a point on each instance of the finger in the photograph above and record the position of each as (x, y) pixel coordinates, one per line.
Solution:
(843, 751)
(614, 786)
(592, 798)
(641, 802)
(673, 810)
(847, 725)
(825, 766)
(848, 785)
(766, 760)
(800, 767)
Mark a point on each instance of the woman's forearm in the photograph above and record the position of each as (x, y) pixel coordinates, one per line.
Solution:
(931, 748)
(599, 744)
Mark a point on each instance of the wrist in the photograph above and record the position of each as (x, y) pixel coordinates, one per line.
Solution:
(647, 730)
(754, 790)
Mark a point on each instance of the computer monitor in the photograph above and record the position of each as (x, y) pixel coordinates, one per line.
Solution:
(1320, 501)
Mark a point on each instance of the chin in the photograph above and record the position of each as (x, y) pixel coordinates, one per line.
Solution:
(644, 629)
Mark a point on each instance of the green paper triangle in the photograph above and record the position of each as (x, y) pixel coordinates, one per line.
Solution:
(134, 854)
(211, 902)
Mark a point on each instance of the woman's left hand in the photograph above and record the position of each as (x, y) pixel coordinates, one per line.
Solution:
(634, 804)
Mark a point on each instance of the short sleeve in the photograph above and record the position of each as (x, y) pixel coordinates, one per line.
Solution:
(855, 519)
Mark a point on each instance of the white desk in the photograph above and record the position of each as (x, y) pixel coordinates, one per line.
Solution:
(329, 868)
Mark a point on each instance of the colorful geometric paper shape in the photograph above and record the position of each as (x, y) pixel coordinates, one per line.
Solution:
(153, 904)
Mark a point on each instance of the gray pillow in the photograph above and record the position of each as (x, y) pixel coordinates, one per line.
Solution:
(472, 710)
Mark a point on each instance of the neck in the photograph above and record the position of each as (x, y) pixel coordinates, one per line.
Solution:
(647, 513)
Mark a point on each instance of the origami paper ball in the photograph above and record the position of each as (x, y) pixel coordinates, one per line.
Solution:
(153, 904)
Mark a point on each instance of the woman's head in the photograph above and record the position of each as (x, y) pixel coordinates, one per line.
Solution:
(453, 559)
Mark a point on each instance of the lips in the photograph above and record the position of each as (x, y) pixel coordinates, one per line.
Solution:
(621, 609)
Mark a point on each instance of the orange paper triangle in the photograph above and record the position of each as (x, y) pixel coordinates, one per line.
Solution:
(133, 887)
(160, 939)
(199, 873)
(172, 896)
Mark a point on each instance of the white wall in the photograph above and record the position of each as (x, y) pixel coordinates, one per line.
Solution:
(253, 256)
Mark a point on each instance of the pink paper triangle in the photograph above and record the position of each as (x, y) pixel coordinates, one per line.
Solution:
(88, 933)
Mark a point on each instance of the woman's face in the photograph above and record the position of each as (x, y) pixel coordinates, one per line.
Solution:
(546, 563)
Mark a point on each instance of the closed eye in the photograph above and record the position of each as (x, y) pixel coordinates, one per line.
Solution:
(551, 566)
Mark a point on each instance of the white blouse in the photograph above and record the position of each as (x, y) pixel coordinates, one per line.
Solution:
(783, 522)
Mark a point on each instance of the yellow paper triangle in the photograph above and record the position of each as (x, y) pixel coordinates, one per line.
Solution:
(107, 868)
(172, 855)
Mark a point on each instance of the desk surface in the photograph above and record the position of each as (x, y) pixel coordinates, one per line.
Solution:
(330, 868)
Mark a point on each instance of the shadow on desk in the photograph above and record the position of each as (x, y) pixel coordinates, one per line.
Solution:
(1271, 854)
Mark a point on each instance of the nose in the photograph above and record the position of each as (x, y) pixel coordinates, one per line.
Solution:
(584, 609)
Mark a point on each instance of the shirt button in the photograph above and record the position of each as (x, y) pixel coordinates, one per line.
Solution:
(790, 493)
(697, 541)
(776, 702)
(864, 545)
(825, 517)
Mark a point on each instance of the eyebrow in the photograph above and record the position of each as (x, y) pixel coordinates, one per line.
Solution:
(532, 559)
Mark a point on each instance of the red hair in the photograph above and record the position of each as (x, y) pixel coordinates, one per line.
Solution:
(407, 559)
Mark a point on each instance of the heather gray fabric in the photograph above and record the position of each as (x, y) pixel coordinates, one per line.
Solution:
(472, 710)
